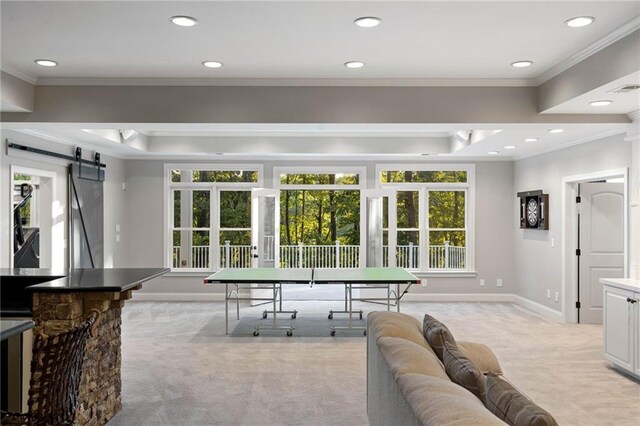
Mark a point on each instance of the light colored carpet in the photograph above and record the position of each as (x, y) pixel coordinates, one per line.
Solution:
(180, 369)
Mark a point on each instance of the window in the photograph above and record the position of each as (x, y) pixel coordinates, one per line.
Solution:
(434, 216)
(209, 211)
(319, 217)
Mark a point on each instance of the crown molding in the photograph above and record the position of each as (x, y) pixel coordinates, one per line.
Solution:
(319, 82)
(614, 36)
(19, 74)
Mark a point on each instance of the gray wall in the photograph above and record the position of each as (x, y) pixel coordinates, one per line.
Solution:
(494, 227)
(537, 264)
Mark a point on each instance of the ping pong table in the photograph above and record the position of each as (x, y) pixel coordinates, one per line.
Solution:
(396, 281)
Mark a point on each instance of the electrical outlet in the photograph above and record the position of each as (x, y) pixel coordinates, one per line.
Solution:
(124, 186)
(548, 294)
(553, 242)
(482, 282)
(557, 296)
(499, 282)
(117, 238)
(117, 227)
(423, 282)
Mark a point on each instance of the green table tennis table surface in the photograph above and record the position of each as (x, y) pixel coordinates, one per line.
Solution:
(310, 275)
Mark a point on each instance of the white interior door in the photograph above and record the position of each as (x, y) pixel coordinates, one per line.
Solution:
(601, 244)
(264, 232)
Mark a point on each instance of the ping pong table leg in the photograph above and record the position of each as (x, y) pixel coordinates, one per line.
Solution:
(226, 308)
(398, 297)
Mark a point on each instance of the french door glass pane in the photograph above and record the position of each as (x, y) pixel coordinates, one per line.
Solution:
(447, 250)
(177, 208)
(235, 209)
(201, 209)
(235, 249)
(446, 209)
(190, 249)
(408, 243)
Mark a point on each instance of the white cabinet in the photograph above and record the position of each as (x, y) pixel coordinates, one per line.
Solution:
(622, 324)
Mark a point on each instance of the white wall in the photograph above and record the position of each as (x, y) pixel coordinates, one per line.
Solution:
(495, 198)
(537, 264)
(113, 195)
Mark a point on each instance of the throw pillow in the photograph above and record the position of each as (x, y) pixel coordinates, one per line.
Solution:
(463, 372)
(511, 406)
(436, 334)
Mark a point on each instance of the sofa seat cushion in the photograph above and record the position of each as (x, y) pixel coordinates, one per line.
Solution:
(393, 324)
(510, 405)
(437, 402)
(404, 357)
(463, 372)
(436, 334)
(481, 355)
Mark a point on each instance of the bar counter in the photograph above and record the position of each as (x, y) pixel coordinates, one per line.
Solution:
(58, 300)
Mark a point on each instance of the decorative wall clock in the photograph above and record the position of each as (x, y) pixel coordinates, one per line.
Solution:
(534, 210)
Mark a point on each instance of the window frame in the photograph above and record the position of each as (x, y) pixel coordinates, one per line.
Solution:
(361, 186)
(214, 188)
(425, 188)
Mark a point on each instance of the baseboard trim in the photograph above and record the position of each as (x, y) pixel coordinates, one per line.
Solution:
(530, 305)
(457, 297)
(538, 308)
(177, 297)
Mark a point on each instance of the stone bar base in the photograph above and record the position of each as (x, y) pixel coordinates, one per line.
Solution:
(101, 382)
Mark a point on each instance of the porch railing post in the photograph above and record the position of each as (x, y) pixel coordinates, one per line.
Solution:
(410, 265)
(446, 255)
(299, 255)
(227, 253)
(337, 254)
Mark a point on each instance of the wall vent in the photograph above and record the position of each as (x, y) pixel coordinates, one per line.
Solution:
(626, 88)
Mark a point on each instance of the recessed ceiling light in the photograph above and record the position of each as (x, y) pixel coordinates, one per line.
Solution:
(183, 21)
(212, 64)
(556, 130)
(510, 147)
(46, 62)
(579, 21)
(368, 22)
(531, 139)
(354, 64)
(493, 152)
(521, 64)
(600, 103)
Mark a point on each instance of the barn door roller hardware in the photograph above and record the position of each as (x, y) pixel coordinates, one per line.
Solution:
(76, 158)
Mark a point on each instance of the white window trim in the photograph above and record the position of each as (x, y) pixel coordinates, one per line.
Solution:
(169, 186)
(470, 205)
(361, 186)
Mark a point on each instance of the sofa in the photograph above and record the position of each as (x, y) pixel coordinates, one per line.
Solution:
(408, 384)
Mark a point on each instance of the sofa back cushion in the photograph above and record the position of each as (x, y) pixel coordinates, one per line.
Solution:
(437, 402)
(510, 405)
(436, 334)
(405, 357)
(463, 372)
(393, 324)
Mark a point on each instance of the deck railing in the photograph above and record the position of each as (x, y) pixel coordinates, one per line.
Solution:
(325, 256)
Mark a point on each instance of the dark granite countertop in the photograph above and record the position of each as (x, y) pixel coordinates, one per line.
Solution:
(83, 280)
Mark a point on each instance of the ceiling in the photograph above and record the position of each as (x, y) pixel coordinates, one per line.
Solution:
(300, 40)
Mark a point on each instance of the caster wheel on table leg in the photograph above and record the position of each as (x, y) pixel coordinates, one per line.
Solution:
(289, 333)
(360, 315)
(333, 332)
(365, 332)
(330, 316)
(255, 333)
(264, 315)
(294, 315)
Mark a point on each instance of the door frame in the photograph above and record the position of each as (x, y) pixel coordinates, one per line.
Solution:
(569, 263)
(54, 235)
